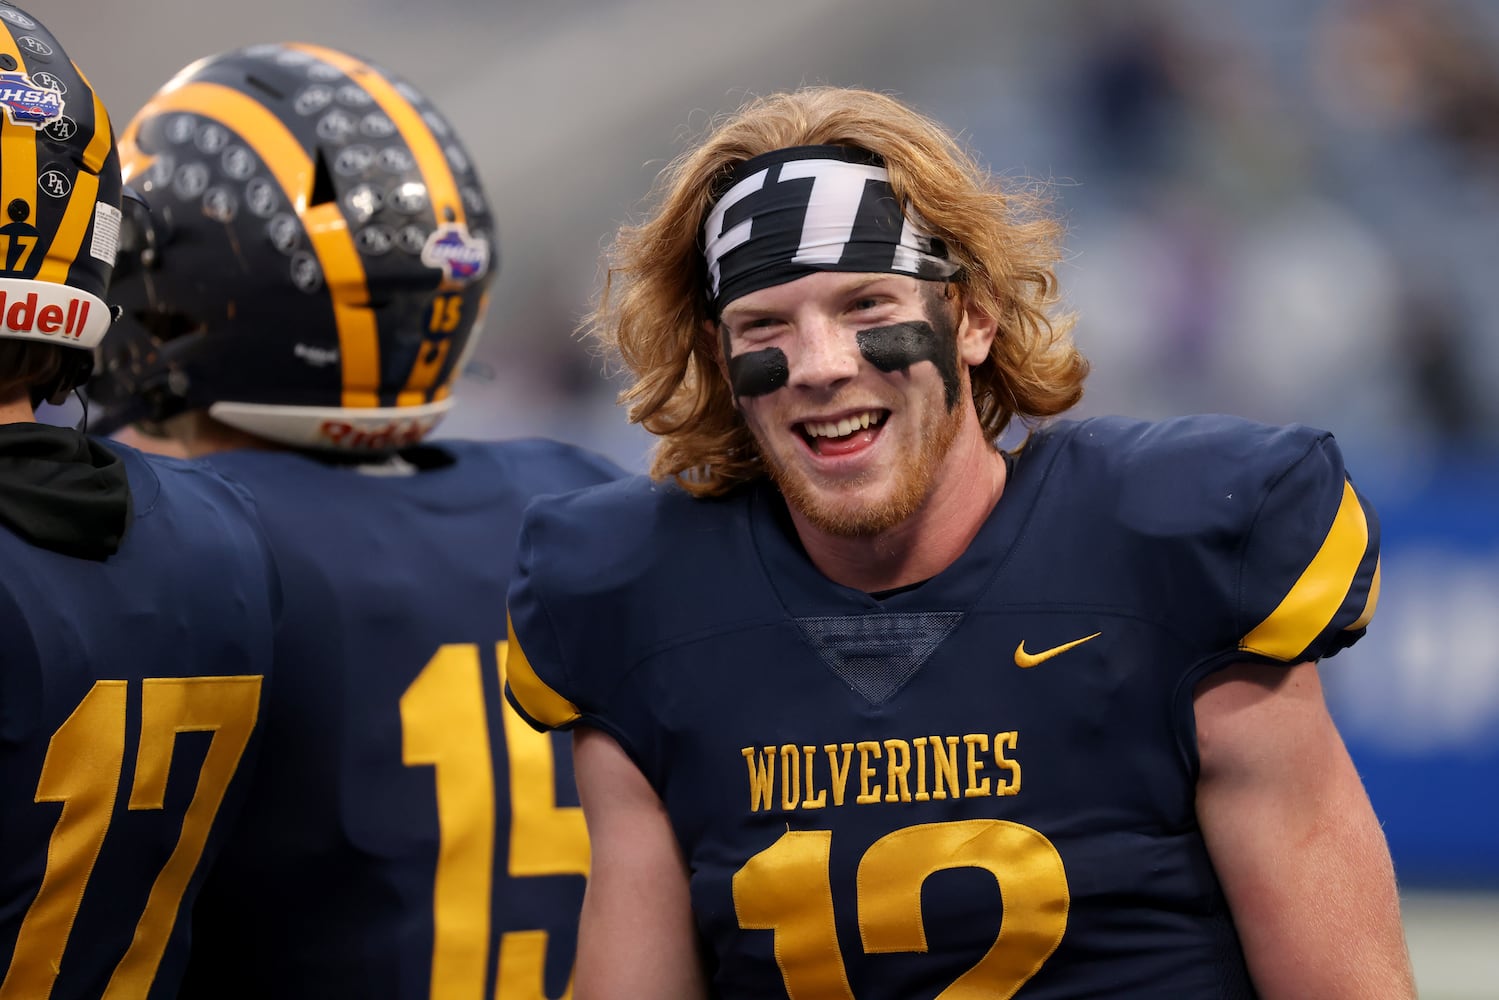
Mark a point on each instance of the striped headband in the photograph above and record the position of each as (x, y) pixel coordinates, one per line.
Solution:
(791, 212)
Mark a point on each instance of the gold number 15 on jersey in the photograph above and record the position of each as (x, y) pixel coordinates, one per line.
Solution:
(445, 725)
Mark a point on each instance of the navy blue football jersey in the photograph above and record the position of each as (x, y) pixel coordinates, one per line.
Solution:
(130, 691)
(980, 786)
(406, 834)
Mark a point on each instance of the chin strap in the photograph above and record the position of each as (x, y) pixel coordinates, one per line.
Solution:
(75, 370)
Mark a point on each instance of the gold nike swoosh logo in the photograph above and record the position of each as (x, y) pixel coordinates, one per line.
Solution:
(1024, 659)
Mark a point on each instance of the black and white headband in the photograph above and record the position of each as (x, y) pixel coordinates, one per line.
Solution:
(788, 213)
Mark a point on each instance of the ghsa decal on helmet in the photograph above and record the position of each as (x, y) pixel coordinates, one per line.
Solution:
(27, 102)
(460, 256)
(314, 252)
(60, 218)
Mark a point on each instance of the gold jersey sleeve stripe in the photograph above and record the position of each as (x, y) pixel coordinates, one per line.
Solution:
(540, 702)
(1363, 620)
(332, 244)
(18, 167)
(1314, 600)
(80, 211)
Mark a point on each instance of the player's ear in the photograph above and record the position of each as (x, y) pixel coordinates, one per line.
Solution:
(976, 333)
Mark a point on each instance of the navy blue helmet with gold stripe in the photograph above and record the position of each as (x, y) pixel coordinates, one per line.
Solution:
(59, 195)
(312, 258)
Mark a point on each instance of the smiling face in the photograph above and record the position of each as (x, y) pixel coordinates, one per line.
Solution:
(855, 387)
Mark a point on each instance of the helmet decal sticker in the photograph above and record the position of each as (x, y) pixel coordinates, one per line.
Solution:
(238, 162)
(160, 172)
(28, 102)
(261, 197)
(409, 197)
(354, 97)
(285, 232)
(313, 99)
(180, 129)
(18, 239)
(336, 126)
(191, 180)
(35, 46)
(61, 130)
(54, 184)
(374, 240)
(353, 160)
(412, 239)
(377, 125)
(362, 203)
(305, 272)
(461, 257)
(106, 241)
(395, 159)
(211, 139)
(457, 158)
(220, 204)
(51, 80)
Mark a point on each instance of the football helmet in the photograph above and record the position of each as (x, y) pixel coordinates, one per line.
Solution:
(310, 259)
(59, 200)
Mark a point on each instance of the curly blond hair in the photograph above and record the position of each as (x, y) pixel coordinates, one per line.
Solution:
(655, 318)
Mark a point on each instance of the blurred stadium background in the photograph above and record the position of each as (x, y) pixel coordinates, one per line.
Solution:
(1287, 209)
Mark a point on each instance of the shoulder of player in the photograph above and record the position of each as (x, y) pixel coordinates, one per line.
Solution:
(1208, 461)
(624, 513)
(608, 575)
(1199, 443)
(537, 465)
(630, 531)
(192, 502)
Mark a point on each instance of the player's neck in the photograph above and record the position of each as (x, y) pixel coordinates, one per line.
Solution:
(17, 410)
(196, 434)
(970, 483)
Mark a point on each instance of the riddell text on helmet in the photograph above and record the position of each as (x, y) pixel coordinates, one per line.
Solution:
(21, 315)
(399, 432)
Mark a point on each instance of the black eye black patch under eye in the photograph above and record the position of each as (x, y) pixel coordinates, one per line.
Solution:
(754, 373)
(758, 372)
(901, 345)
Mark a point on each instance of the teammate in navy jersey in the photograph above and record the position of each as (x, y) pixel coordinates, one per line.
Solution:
(307, 283)
(137, 595)
(866, 707)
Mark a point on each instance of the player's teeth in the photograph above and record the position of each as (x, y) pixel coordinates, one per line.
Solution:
(843, 427)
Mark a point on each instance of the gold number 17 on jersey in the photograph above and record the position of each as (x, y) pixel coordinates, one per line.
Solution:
(82, 771)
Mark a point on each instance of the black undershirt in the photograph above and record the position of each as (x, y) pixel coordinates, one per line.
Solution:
(63, 491)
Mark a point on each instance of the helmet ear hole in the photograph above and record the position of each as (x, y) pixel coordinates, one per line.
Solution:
(265, 88)
(323, 190)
